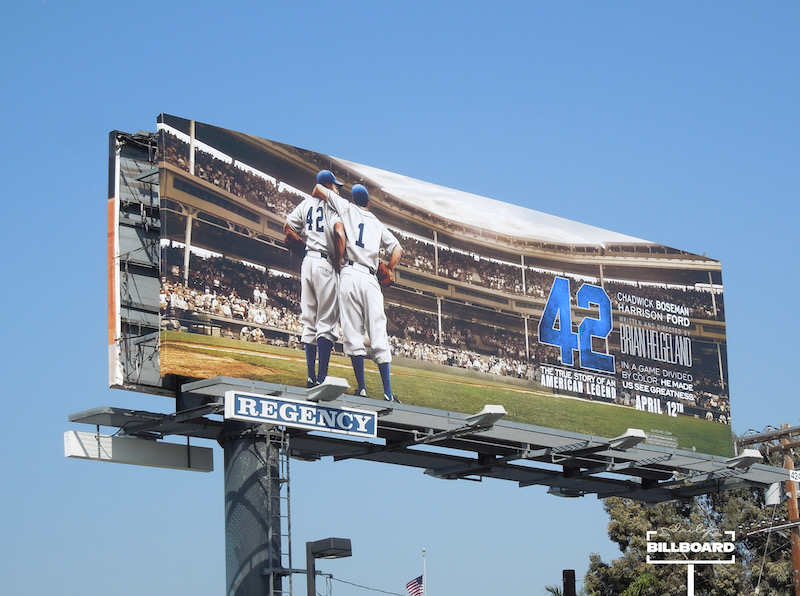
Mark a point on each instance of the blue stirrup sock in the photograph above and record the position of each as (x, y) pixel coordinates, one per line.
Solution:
(358, 369)
(311, 361)
(386, 378)
(325, 347)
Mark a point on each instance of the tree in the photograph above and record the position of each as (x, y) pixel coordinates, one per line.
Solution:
(762, 560)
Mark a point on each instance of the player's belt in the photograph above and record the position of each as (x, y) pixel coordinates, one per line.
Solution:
(316, 254)
(361, 268)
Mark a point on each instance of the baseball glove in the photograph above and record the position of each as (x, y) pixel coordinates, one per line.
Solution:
(385, 275)
(293, 241)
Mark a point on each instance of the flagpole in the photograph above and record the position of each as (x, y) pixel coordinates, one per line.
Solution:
(424, 578)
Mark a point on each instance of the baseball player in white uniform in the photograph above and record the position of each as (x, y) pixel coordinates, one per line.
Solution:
(362, 236)
(314, 219)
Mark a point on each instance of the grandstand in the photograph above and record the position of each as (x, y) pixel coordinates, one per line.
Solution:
(465, 297)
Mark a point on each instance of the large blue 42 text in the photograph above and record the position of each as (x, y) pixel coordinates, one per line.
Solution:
(555, 327)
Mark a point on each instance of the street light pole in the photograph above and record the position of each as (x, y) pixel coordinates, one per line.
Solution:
(329, 548)
(311, 571)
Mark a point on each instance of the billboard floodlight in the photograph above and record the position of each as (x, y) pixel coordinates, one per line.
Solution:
(330, 389)
(487, 416)
(482, 421)
(631, 438)
(745, 459)
(567, 493)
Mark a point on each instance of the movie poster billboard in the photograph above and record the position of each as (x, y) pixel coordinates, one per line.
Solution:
(566, 325)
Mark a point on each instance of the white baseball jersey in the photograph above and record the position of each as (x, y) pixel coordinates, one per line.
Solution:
(360, 297)
(312, 218)
(366, 235)
(319, 283)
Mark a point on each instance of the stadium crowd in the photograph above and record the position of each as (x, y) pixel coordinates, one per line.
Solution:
(231, 291)
(501, 276)
(258, 190)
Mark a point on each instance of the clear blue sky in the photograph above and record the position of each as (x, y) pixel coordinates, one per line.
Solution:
(673, 122)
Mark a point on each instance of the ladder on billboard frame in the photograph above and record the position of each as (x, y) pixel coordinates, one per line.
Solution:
(282, 502)
(279, 497)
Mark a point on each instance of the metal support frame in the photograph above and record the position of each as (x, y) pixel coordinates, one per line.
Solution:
(445, 445)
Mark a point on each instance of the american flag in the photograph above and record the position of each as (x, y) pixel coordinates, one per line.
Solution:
(415, 587)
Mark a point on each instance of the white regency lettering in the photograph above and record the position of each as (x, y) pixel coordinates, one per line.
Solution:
(270, 410)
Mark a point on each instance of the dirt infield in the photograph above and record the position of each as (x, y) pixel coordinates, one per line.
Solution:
(188, 362)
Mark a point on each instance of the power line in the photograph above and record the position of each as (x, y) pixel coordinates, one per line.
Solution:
(366, 587)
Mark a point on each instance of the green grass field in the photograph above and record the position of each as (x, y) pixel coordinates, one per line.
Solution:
(202, 356)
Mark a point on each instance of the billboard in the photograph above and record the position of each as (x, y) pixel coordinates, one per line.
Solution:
(566, 325)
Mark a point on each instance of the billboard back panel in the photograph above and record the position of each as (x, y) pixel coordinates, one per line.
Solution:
(566, 325)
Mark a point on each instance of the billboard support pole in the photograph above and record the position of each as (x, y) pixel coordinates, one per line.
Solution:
(252, 510)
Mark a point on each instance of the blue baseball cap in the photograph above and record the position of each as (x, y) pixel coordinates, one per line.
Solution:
(326, 177)
(360, 195)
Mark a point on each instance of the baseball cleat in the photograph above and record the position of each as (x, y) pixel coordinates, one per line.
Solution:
(362, 393)
(311, 383)
(391, 398)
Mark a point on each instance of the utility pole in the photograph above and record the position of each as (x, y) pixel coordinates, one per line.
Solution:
(788, 441)
(791, 492)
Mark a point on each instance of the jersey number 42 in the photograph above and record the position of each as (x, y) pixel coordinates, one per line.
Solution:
(310, 223)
